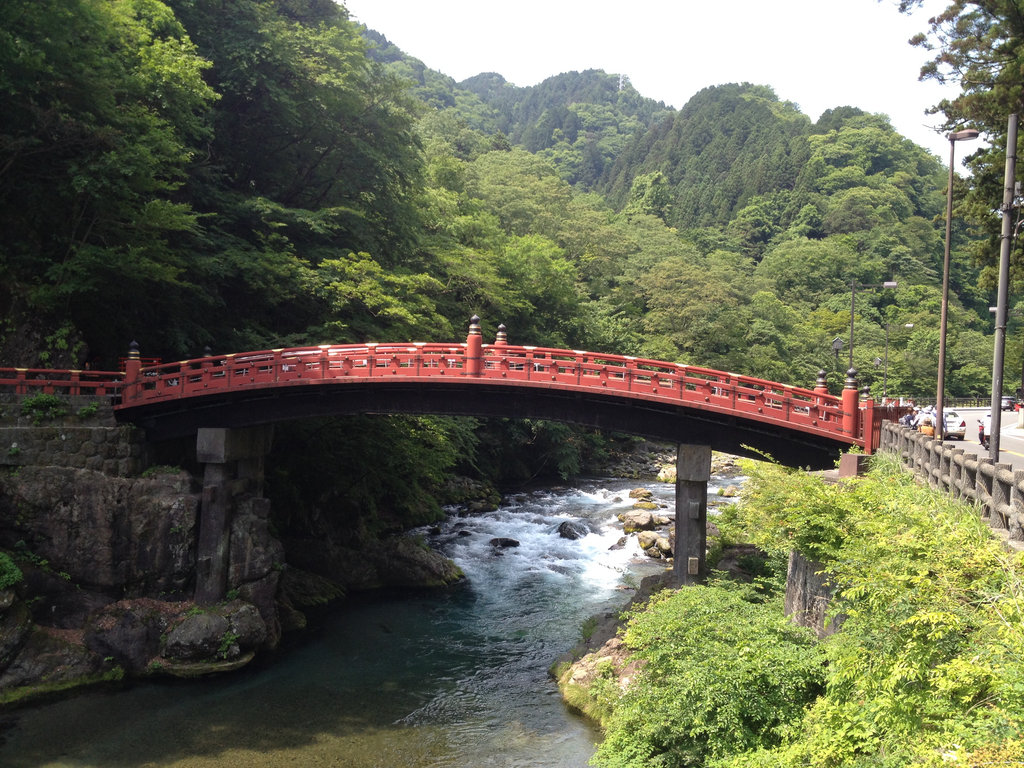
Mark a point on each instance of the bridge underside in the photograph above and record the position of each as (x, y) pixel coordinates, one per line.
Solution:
(665, 422)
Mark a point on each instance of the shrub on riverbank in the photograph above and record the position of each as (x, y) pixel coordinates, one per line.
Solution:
(719, 674)
(927, 669)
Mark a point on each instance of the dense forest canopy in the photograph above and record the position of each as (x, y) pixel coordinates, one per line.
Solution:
(263, 173)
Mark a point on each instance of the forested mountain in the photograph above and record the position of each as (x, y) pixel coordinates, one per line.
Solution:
(181, 176)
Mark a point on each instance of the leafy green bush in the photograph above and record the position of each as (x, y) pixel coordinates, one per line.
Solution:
(928, 667)
(10, 574)
(720, 675)
(43, 407)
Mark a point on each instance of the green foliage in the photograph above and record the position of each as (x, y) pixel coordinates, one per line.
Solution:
(160, 469)
(88, 411)
(227, 642)
(927, 666)
(719, 675)
(10, 574)
(43, 407)
(374, 473)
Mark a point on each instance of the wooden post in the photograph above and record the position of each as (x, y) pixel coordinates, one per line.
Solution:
(132, 366)
(693, 470)
(474, 348)
(851, 409)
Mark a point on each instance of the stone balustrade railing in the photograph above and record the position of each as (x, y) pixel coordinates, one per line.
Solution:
(996, 488)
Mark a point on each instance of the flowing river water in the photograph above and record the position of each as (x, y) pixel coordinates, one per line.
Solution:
(457, 679)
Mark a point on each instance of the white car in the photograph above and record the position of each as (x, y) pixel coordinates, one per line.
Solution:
(956, 425)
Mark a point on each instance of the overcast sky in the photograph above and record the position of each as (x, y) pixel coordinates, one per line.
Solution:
(817, 53)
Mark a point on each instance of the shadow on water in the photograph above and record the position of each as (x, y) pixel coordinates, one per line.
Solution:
(385, 683)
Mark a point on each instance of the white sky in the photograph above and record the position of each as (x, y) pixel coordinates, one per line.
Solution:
(818, 54)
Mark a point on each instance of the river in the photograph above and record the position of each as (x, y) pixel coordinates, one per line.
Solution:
(455, 679)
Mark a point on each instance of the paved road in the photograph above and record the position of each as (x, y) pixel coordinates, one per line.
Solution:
(1011, 437)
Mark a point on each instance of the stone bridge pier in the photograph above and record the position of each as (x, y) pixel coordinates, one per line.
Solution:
(693, 471)
(233, 462)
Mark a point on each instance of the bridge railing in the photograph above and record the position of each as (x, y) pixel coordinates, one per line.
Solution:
(30, 381)
(810, 410)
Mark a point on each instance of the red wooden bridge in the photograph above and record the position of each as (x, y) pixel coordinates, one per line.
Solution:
(651, 398)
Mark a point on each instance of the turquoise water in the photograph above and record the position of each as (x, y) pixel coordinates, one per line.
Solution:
(455, 680)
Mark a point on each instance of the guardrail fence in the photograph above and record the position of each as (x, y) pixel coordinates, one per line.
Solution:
(996, 488)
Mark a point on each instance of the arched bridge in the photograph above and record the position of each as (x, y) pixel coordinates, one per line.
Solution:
(226, 401)
(651, 398)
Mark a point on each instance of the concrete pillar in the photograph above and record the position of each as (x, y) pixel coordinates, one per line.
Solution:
(693, 470)
(232, 464)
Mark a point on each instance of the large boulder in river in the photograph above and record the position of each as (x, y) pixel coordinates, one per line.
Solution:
(228, 632)
(503, 542)
(572, 529)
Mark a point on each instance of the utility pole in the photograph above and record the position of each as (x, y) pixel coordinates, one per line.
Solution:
(1004, 279)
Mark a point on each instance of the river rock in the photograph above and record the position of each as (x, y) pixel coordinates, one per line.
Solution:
(52, 657)
(220, 633)
(15, 626)
(572, 529)
(637, 520)
(641, 494)
(647, 539)
(129, 631)
(502, 542)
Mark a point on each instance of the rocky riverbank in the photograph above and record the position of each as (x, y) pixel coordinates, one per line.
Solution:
(600, 659)
(97, 574)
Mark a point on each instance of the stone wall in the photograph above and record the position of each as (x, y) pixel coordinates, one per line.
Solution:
(107, 548)
(86, 436)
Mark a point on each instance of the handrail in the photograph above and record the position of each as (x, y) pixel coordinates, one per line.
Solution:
(27, 381)
(812, 411)
(808, 410)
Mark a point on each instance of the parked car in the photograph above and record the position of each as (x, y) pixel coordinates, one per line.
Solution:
(956, 425)
(1009, 402)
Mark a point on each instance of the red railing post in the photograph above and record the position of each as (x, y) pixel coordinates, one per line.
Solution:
(870, 414)
(474, 348)
(132, 369)
(851, 412)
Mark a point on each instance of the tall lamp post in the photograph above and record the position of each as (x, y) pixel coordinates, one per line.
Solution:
(854, 285)
(965, 135)
(1006, 236)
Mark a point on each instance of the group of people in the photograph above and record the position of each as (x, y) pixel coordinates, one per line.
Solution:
(923, 420)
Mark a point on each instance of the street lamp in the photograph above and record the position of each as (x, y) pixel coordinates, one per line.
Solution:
(1010, 194)
(837, 346)
(885, 371)
(854, 285)
(965, 135)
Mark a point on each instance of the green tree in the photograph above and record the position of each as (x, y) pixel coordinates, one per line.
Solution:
(104, 108)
